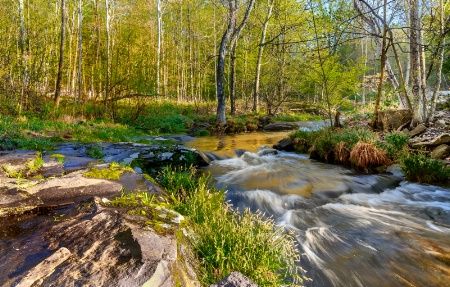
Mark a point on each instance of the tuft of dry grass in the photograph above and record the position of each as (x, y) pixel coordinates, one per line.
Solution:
(366, 155)
(342, 153)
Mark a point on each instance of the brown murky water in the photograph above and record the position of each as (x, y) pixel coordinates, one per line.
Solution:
(352, 230)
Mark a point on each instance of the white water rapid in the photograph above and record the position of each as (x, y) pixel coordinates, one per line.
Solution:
(352, 229)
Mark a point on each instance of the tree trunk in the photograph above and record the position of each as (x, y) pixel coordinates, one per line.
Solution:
(221, 103)
(61, 54)
(373, 124)
(158, 47)
(233, 79)
(415, 55)
(370, 19)
(80, 48)
(108, 50)
(439, 62)
(260, 53)
(24, 55)
(232, 32)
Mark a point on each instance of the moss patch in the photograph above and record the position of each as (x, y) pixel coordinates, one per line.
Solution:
(114, 171)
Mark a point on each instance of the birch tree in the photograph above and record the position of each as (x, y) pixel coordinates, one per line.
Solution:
(230, 33)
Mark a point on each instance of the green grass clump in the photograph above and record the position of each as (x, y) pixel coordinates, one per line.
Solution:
(303, 140)
(94, 151)
(31, 167)
(423, 169)
(114, 171)
(226, 240)
(296, 117)
(394, 144)
(133, 199)
(59, 157)
(202, 133)
(321, 144)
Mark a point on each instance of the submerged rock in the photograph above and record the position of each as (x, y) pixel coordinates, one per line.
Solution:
(285, 145)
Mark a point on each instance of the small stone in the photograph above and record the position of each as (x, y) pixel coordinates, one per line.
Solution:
(235, 279)
(441, 152)
(417, 130)
(440, 123)
(105, 200)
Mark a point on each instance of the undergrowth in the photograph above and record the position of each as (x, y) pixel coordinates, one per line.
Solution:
(226, 240)
(421, 168)
(114, 171)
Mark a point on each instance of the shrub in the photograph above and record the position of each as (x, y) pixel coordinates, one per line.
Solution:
(395, 144)
(226, 240)
(323, 144)
(342, 154)
(421, 168)
(366, 155)
(303, 140)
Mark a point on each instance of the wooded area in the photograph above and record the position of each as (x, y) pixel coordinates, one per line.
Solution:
(259, 53)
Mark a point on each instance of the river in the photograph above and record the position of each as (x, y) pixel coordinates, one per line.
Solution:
(352, 229)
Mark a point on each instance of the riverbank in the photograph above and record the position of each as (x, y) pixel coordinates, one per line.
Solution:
(81, 206)
(422, 152)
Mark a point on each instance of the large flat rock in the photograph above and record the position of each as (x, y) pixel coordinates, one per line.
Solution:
(99, 246)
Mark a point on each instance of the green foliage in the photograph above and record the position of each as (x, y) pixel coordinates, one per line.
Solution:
(226, 240)
(59, 157)
(94, 151)
(31, 167)
(421, 168)
(395, 144)
(37, 134)
(303, 139)
(133, 199)
(321, 144)
(114, 171)
(202, 133)
(295, 117)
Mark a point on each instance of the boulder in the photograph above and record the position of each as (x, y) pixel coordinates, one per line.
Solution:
(440, 123)
(281, 126)
(284, 144)
(235, 279)
(417, 130)
(442, 139)
(393, 119)
(441, 152)
(97, 246)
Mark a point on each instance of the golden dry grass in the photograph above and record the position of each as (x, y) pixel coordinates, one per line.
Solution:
(342, 154)
(366, 155)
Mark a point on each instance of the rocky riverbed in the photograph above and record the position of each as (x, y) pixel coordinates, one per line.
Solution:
(57, 231)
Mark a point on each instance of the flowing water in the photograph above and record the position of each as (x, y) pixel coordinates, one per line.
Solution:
(352, 229)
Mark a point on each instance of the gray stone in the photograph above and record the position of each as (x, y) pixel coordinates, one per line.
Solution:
(417, 130)
(442, 139)
(45, 268)
(235, 279)
(281, 126)
(109, 248)
(440, 123)
(284, 144)
(441, 152)
(267, 151)
(393, 119)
